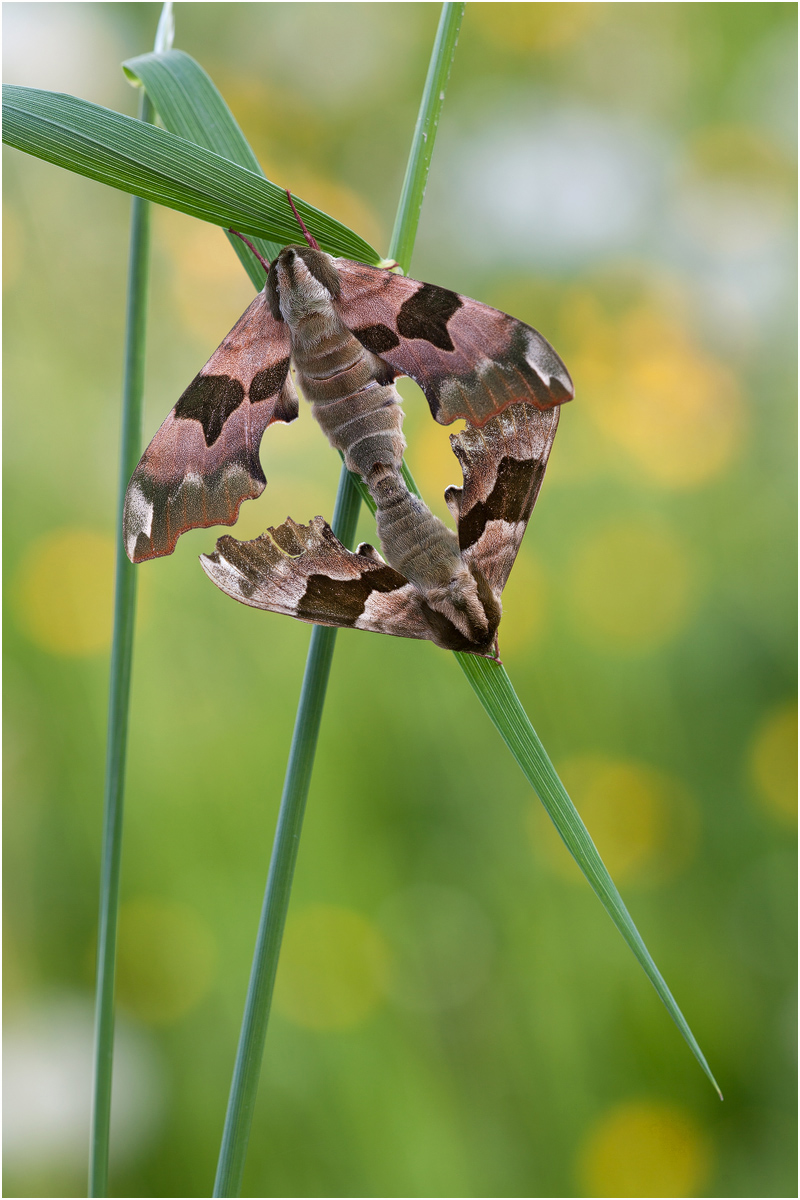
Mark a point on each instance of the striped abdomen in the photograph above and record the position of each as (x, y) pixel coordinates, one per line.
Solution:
(361, 416)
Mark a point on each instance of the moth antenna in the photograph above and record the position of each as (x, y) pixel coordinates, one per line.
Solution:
(312, 241)
(249, 244)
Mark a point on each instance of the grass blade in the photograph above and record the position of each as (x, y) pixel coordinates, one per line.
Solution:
(247, 1068)
(406, 222)
(120, 675)
(119, 694)
(241, 1102)
(493, 688)
(160, 166)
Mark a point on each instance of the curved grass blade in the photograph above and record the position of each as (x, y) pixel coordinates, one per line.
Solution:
(493, 688)
(189, 104)
(164, 168)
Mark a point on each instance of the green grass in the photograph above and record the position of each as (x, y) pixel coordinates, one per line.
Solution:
(119, 692)
(250, 1051)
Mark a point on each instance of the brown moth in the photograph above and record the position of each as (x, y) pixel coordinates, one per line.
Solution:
(349, 331)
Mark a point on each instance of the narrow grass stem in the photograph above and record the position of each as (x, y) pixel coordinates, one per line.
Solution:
(119, 692)
(406, 223)
(247, 1069)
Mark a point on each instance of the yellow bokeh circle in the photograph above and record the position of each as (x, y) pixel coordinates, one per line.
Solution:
(675, 409)
(773, 763)
(430, 455)
(644, 1148)
(210, 289)
(534, 27)
(166, 961)
(678, 415)
(333, 968)
(524, 605)
(63, 592)
(631, 586)
(642, 820)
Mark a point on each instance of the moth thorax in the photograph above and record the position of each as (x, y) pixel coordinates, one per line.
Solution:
(301, 281)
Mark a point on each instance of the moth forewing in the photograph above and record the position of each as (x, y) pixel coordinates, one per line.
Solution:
(470, 360)
(203, 462)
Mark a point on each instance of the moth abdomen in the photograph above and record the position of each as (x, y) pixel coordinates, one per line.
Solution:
(414, 541)
(366, 427)
(330, 363)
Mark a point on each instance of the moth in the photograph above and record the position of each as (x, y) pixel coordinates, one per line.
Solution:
(350, 330)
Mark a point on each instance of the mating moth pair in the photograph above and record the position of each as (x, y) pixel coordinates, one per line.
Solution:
(350, 330)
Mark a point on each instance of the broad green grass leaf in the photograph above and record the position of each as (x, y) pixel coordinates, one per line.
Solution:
(162, 167)
(190, 105)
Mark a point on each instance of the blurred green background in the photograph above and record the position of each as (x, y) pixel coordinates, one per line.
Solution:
(455, 1013)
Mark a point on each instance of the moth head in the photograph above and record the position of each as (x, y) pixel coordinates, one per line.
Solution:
(301, 281)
